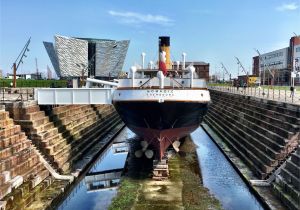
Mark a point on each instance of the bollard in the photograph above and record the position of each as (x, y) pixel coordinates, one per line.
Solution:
(285, 95)
(273, 93)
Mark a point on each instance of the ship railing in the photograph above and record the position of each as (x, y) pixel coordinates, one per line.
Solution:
(178, 83)
(139, 78)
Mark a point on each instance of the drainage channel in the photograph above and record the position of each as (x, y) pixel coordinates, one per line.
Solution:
(220, 177)
(99, 185)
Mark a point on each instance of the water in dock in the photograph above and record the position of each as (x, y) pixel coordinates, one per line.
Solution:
(220, 177)
(99, 186)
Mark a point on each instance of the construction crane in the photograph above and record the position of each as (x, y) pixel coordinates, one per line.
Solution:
(260, 59)
(19, 60)
(243, 68)
(225, 71)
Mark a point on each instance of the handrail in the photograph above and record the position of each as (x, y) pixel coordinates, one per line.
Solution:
(146, 82)
(178, 82)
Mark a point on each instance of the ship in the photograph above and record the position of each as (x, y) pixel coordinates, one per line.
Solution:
(163, 104)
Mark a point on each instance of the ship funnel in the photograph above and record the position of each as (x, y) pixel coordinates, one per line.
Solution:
(164, 45)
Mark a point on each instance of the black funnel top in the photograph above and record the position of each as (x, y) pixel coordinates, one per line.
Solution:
(164, 41)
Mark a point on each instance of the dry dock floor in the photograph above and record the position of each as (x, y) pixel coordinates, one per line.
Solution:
(183, 189)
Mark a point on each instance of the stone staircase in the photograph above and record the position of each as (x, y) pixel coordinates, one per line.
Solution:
(262, 133)
(63, 133)
(81, 125)
(287, 184)
(19, 162)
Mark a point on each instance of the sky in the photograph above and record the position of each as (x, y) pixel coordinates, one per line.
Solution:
(212, 31)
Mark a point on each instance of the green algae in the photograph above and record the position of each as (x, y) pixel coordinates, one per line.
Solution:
(183, 189)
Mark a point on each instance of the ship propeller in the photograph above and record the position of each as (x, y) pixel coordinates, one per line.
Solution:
(148, 153)
(176, 145)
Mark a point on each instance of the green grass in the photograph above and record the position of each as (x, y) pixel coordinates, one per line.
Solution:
(34, 83)
(219, 84)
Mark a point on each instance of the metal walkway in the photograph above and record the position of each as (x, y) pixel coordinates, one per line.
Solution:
(54, 96)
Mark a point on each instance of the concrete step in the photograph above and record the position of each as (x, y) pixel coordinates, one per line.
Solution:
(6, 123)
(295, 158)
(11, 140)
(276, 129)
(228, 140)
(280, 116)
(293, 168)
(241, 117)
(9, 131)
(277, 106)
(263, 142)
(34, 115)
(278, 189)
(79, 145)
(242, 138)
(290, 178)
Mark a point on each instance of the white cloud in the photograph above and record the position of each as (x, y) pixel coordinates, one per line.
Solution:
(287, 7)
(137, 18)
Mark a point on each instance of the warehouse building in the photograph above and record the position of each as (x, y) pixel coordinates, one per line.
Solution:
(276, 67)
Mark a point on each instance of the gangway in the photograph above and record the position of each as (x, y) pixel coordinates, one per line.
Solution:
(67, 96)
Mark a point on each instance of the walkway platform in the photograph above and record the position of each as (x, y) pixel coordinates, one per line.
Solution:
(56, 96)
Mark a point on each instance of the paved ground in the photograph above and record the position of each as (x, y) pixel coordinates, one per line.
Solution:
(16, 94)
(267, 93)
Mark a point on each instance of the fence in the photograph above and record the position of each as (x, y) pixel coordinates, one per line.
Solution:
(16, 94)
(262, 92)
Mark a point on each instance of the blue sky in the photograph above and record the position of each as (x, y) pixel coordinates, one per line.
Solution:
(213, 31)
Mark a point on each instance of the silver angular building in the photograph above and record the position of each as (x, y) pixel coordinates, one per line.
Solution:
(74, 57)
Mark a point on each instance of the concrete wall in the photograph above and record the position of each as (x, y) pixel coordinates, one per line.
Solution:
(262, 133)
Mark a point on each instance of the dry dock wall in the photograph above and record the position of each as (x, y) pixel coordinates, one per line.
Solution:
(19, 161)
(63, 133)
(60, 134)
(263, 134)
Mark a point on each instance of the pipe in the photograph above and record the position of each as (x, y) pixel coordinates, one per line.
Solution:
(133, 70)
(191, 70)
(183, 61)
(161, 78)
(151, 64)
(89, 81)
(143, 60)
(177, 64)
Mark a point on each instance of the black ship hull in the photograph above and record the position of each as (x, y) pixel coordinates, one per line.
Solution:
(160, 124)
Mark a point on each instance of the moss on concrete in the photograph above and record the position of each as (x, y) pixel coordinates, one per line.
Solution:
(127, 194)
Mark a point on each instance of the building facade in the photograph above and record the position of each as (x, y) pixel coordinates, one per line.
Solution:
(76, 57)
(201, 68)
(275, 67)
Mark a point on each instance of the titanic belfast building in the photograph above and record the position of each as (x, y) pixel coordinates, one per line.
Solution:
(75, 57)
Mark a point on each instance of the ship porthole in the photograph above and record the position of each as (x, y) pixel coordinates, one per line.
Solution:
(201, 94)
(119, 94)
(141, 82)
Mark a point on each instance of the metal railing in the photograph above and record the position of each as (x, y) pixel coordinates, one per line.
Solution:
(16, 94)
(262, 92)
